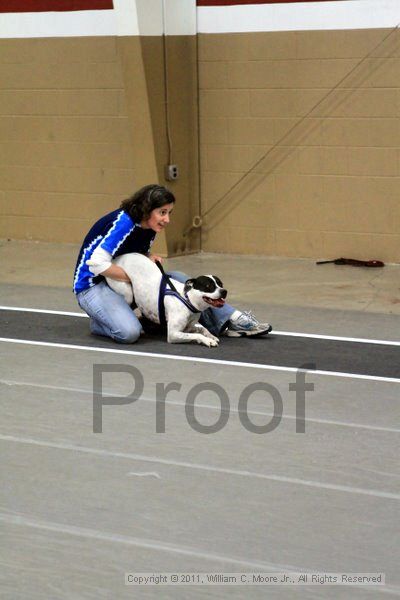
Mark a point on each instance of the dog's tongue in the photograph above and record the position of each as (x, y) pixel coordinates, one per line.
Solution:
(215, 302)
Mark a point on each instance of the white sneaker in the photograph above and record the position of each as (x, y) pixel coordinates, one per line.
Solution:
(246, 325)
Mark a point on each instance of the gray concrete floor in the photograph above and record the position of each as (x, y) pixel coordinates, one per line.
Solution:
(79, 510)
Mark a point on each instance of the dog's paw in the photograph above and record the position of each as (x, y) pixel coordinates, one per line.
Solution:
(209, 342)
(209, 335)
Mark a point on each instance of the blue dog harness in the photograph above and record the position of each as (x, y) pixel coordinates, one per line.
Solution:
(171, 291)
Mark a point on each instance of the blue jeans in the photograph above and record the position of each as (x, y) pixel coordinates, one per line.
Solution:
(111, 316)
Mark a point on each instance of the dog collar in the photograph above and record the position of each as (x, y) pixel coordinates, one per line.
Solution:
(184, 299)
(164, 291)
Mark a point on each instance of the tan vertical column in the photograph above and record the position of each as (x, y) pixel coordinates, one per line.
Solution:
(138, 111)
(168, 42)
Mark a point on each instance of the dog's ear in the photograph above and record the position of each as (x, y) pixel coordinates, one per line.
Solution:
(188, 285)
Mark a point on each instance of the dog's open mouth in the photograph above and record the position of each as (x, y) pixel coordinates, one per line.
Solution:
(215, 302)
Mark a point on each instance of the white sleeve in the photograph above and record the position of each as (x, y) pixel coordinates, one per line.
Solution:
(99, 261)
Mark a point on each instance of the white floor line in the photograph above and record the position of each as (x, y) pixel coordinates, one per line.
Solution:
(284, 333)
(10, 382)
(194, 359)
(159, 546)
(336, 338)
(133, 541)
(47, 312)
(142, 543)
(195, 466)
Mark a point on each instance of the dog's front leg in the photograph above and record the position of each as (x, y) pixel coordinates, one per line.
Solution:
(176, 335)
(204, 331)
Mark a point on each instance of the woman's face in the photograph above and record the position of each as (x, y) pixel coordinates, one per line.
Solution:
(159, 218)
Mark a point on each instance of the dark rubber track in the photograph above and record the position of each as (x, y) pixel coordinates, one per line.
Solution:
(326, 355)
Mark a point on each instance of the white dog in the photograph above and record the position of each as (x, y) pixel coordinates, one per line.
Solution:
(152, 295)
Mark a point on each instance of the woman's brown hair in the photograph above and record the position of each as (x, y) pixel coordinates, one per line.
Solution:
(149, 197)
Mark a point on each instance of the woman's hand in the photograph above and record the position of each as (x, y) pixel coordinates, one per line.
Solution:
(155, 258)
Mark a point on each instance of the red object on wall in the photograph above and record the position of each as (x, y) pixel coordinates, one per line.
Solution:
(17, 6)
(232, 2)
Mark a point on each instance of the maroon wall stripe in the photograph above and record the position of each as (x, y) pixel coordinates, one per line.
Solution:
(231, 2)
(16, 6)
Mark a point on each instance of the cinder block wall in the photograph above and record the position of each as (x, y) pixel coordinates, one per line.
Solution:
(83, 124)
(331, 187)
(65, 145)
(83, 121)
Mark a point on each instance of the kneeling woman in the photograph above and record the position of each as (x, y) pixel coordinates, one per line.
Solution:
(132, 228)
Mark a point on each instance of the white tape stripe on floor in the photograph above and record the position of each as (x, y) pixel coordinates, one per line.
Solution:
(195, 359)
(10, 382)
(46, 312)
(133, 541)
(283, 333)
(336, 338)
(196, 466)
(159, 546)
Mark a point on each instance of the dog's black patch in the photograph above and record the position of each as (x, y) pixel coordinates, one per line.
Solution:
(219, 282)
(204, 284)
